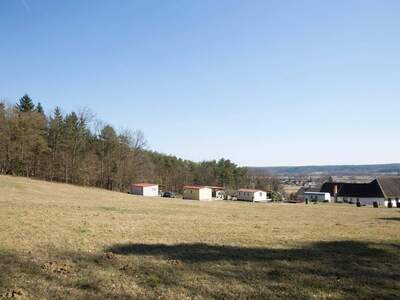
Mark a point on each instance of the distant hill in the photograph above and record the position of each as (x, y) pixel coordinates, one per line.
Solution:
(330, 170)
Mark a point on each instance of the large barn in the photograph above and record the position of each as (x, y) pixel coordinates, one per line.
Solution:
(383, 190)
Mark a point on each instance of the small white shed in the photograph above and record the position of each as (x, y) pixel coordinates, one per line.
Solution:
(202, 193)
(144, 189)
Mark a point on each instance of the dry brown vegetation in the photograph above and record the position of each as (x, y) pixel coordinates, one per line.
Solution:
(61, 241)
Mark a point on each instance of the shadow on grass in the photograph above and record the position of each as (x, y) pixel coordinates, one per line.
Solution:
(345, 268)
(199, 252)
(390, 219)
(342, 269)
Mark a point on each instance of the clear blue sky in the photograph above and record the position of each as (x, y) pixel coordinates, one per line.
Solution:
(258, 82)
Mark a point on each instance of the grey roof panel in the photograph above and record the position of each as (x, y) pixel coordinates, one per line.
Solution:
(390, 186)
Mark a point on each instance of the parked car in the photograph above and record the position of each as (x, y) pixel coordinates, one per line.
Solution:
(168, 195)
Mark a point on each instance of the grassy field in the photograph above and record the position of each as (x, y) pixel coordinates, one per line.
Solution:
(65, 242)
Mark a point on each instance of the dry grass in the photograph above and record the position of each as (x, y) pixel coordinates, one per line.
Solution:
(61, 241)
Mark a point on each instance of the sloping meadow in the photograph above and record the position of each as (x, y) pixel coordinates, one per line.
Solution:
(67, 242)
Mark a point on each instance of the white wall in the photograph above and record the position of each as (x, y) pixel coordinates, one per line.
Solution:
(205, 194)
(150, 191)
(369, 201)
(366, 201)
(260, 196)
(394, 201)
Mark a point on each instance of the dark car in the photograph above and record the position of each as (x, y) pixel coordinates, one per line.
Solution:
(168, 195)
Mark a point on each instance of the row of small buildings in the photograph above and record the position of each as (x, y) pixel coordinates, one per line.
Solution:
(383, 191)
(203, 193)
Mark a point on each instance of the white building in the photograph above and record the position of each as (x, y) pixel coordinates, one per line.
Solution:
(202, 193)
(144, 189)
(317, 197)
(253, 195)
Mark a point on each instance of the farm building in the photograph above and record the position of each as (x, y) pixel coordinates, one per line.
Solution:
(203, 193)
(332, 188)
(390, 186)
(144, 189)
(253, 195)
(317, 197)
(365, 193)
(383, 190)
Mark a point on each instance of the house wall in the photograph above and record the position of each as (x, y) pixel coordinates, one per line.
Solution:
(251, 196)
(150, 191)
(260, 196)
(205, 194)
(246, 196)
(369, 201)
(366, 201)
(192, 194)
(321, 197)
(136, 190)
(393, 200)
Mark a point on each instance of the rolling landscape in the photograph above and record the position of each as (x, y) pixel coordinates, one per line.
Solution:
(371, 170)
(60, 241)
(195, 150)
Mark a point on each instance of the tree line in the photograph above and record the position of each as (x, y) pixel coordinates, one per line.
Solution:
(74, 148)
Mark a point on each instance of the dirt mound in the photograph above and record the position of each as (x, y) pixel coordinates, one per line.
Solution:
(108, 256)
(14, 294)
(56, 267)
(174, 262)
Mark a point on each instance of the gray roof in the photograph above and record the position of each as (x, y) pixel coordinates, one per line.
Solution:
(362, 190)
(390, 186)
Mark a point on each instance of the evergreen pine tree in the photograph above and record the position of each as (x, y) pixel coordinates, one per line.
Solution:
(39, 108)
(25, 104)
